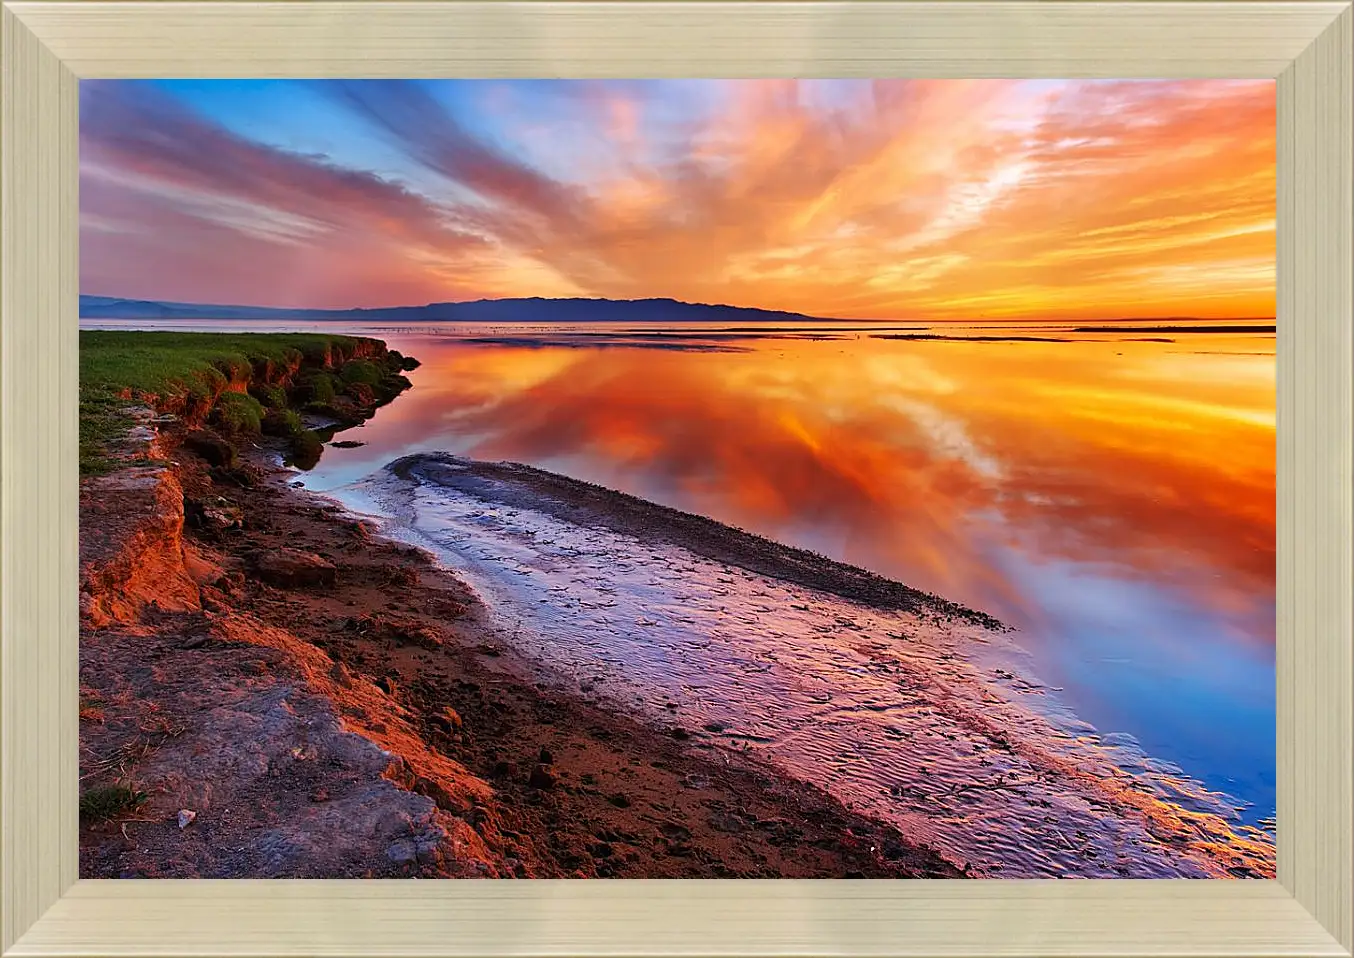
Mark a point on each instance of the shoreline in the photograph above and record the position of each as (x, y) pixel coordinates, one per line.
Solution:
(282, 693)
(584, 503)
(279, 691)
(567, 561)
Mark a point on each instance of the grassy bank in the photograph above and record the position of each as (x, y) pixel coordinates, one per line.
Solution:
(241, 384)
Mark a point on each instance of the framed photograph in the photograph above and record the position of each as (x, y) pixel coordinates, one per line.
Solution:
(677, 478)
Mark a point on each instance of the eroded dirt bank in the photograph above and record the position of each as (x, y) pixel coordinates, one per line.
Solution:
(288, 695)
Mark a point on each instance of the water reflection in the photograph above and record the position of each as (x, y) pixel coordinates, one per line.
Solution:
(1113, 499)
(929, 722)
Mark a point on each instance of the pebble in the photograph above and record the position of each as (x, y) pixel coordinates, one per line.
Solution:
(542, 778)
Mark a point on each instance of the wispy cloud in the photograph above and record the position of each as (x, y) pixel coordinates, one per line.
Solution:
(872, 199)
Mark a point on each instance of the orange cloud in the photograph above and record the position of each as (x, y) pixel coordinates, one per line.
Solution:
(893, 199)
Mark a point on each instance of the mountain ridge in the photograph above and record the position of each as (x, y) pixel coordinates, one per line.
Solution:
(522, 309)
(541, 309)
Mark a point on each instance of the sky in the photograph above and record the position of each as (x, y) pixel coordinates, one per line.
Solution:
(894, 199)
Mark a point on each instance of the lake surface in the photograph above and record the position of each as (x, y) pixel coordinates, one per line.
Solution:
(1110, 495)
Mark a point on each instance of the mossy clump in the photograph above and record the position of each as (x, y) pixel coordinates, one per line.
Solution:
(236, 367)
(241, 383)
(305, 446)
(275, 369)
(360, 393)
(305, 449)
(318, 353)
(177, 373)
(269, 396)
(239, 414)
(282, 422)
(110, 801)
(319, 387)
(361, 371)
(392, 386)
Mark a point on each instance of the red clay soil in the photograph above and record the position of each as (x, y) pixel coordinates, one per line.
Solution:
(327, 703)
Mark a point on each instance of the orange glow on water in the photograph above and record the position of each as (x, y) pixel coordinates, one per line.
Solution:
(907, 457)
(1111, 496)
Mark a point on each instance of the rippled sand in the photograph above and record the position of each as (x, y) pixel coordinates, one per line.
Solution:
(917, 713)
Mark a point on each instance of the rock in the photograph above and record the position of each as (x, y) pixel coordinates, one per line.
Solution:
(216, 515)
(422, 636)
(339, 673)
(727, 822)
(601, 850)
(714, 727)
(212, 448)
(320, 795)
(546, 758)
(361, 393)
(244, 475)
(194, 641)
(291, 567)
(542, 778)
(386, 684)
(347, 444)
(444, 799)
(429, 844)
(186, 817)
(403, 852)
(396, 630)
(679, 733)
(448, 720)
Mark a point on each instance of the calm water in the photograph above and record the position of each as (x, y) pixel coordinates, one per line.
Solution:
(1111, 497)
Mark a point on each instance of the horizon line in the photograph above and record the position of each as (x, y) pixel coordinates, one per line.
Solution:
(1121, 318)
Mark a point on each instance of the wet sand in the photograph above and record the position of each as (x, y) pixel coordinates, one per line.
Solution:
(542, 780)
(912, 710)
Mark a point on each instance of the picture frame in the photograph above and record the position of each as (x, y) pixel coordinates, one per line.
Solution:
(48, 46)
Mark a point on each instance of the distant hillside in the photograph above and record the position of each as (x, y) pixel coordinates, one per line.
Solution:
(533, 310)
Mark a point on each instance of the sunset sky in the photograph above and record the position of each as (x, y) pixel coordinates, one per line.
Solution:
(872, 199)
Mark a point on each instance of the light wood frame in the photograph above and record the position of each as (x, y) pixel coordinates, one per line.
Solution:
(45, 910)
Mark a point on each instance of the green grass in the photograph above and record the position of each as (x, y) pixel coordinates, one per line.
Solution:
(270, 397)
(175, 371)
(282, 422)
(238, 413)
(305, 446)
(100, 804)
(361, 371)
(319, 387)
